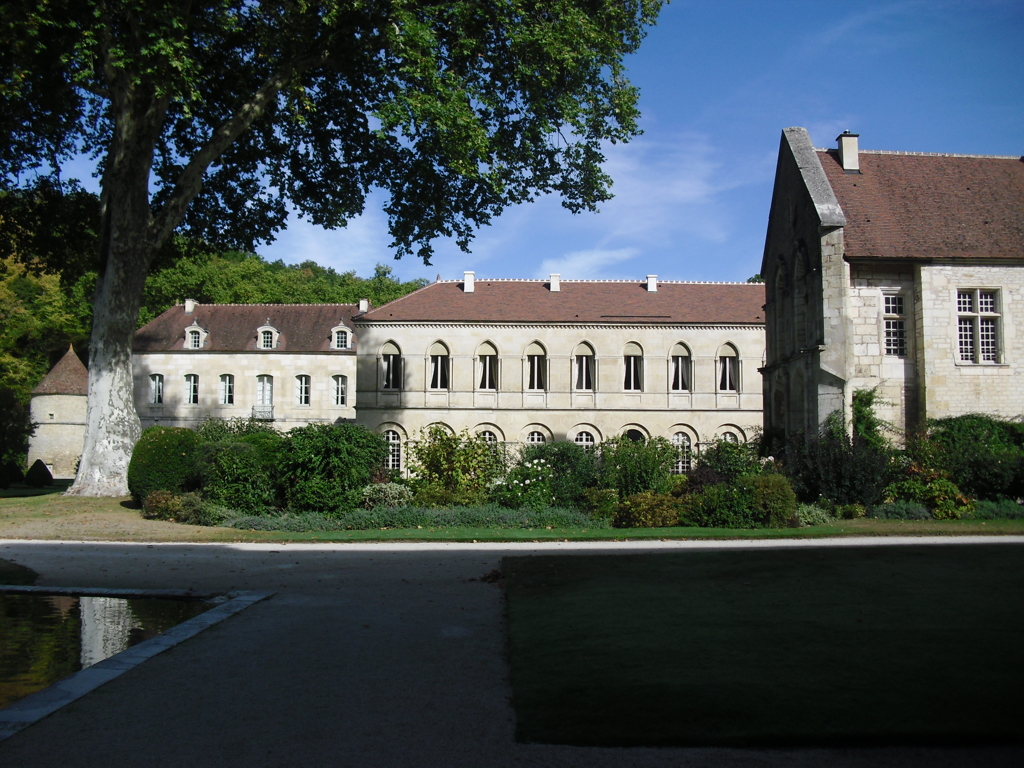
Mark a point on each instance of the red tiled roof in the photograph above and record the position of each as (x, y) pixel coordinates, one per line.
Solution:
(907, 206)
(68, 377)
(232, 327)
(532, 301)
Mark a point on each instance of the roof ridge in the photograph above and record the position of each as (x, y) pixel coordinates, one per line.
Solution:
(265, 304)
(833, 150)
(628, 282)
(395, 301)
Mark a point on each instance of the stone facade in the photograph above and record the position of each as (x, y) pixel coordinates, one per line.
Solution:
(58, 410)
(865, 261)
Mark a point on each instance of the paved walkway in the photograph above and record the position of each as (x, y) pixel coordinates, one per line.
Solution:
(367, 655)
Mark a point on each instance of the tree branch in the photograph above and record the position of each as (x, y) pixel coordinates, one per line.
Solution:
(190, 181)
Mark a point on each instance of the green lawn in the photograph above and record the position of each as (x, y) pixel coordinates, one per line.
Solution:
(859, 645)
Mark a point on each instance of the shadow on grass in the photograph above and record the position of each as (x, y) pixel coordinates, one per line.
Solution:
(849, 646)
(20, 490)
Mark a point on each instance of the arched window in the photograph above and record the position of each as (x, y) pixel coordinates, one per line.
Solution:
(585, 440)
(488, 437)
(302, 387)
(439, 366)
(681, 373)
(191, 389)
(583, 365)
(227, 389)
(340, 390)
(195, 340)
(487, 366)
(394, 457)
(391, 366)
(729, 437)
(684, 463)
(156, 389)
(537, 360)
(634, 358)
(536, 438)
(728, 369)
(636, 436)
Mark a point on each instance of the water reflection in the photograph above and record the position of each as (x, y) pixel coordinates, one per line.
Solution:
(44, 638)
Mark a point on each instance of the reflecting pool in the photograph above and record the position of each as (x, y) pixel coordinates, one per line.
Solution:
(44, 638)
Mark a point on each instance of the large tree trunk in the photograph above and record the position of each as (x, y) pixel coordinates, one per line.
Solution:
(112, 425)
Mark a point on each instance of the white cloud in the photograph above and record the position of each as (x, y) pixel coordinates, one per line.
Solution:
(579, 265)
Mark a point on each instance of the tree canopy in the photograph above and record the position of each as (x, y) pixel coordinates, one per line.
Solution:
(211, 118)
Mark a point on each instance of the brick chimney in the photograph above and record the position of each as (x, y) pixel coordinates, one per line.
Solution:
(848, 152)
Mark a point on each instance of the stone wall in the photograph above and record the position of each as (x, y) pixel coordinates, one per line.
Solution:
(60, 436)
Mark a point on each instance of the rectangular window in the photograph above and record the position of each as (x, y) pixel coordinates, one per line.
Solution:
(728, 373)
(192, 389)
(227, 389)
(156, 389)
(680, 373)
(488, 371)
(634, 374)
(537, 364)
(585, 373)
(194, 339)
(340, 390)
(340, 339)
(392, 371)
(264, 390)
(978, 326)
(267, 340)
(895, 326)
(302, 386)
(439, 371)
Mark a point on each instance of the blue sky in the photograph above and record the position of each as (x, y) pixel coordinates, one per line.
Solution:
(719, 81)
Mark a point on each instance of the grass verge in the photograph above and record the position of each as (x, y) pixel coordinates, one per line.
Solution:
(857, 646)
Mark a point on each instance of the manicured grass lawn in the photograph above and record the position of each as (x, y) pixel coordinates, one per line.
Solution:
(857, 646)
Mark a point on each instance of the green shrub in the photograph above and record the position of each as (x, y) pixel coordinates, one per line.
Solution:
(717, 506)
(1004, 509)
(38, 475)
(235, 475)
(437, 495)
(982, 455)
(812, 514)
(772, 500)
(850, 511)
(463, 464)
(386, 495)
(867, 427)
(631, 466)
(731, 460)
(601, 503)
(834, 467)
(931, 488)
(214, 430)
(900, 510)
(161, 505)
(648, 510)
(163, 460)
(326, 466)
(576, 470)
(527, 485)
(194, 510)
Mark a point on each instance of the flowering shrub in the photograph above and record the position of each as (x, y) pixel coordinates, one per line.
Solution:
(386, 495)
(527, 485)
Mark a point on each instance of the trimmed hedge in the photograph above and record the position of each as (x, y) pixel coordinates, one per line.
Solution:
(772, 499)
(648, 510)
(38, 475)
(163, 460)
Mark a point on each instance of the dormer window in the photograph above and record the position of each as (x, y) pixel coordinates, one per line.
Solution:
(267, 336)
(341, 337)
(195, 337)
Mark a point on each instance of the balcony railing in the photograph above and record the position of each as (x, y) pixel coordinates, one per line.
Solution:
(263, 412)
